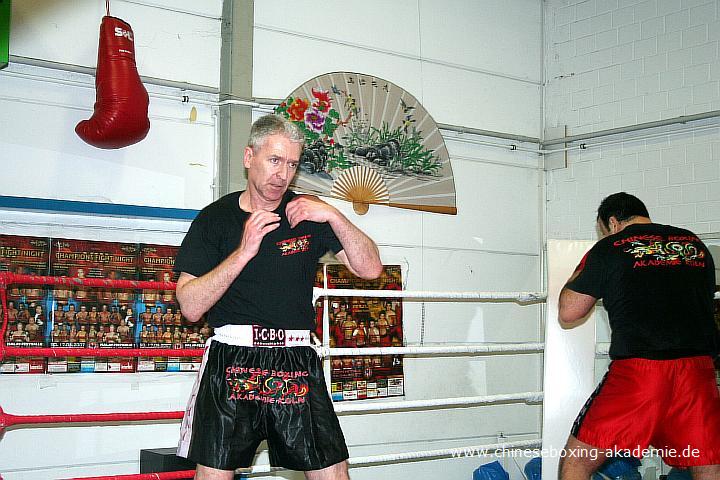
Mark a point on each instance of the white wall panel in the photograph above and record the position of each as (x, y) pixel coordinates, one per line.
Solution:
(392, 42)
(382, 224)
(477, 100)
(169, 45)
(492, 35)
(207, 8)
(480, 321)
(171, 167)
(386, 26)
(621, 65)
(92, 393)
(93, 227)
(282, 62)
(479, 224)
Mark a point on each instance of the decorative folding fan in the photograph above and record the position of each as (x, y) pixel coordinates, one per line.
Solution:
(369, 141)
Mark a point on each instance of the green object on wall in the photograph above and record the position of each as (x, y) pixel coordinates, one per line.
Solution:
(4, 32)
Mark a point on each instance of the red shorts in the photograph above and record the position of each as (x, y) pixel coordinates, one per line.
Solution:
(673, 405)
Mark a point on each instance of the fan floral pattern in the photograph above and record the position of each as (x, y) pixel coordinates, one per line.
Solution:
(370, 142)
(398, 150)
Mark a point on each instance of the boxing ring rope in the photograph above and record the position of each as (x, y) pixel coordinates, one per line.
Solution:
(181, 474)
(521, 297)
(9, 420)
(438, 350)
(7, 278)
(457, 452)
(526, 397)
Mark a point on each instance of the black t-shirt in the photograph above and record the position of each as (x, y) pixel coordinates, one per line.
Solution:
(657, 284)
(275, 287)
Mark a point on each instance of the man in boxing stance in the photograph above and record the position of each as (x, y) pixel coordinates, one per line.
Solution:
(657, 283)
(248, 263)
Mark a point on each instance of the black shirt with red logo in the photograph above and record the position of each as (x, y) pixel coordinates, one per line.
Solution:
(275, 287)
(657, 283)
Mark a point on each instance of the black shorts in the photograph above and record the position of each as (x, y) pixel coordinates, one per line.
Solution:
(244, 395)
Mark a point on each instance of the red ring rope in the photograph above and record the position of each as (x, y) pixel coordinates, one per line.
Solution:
(98, 352)
(144, 476)
(5, 317)
(8, 420)
(7, 278)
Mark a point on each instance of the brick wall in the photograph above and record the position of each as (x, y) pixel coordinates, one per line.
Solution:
(612, 63)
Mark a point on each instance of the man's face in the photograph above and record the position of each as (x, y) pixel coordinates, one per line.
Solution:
(272, 165)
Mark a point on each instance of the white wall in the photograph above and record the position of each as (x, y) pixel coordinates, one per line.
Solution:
(613, 63)
(475, 64)
(453, 57)
(43, 157)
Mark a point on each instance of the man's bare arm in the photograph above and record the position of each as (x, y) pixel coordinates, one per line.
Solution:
(573, 307)
(197, 295)
(359, 254)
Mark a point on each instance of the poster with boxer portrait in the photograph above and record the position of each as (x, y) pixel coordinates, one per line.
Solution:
(361, 322)
(93, 316)
(26, 304)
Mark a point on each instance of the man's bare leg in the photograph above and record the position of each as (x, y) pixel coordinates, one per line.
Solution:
(339, 471)
(206, 473)
(580, 460)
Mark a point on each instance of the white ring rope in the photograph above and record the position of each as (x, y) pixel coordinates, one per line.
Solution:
(523, 297)
(527, 397)
(457, 452)
(439, 350)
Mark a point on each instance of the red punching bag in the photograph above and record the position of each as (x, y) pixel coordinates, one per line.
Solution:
(121, 101)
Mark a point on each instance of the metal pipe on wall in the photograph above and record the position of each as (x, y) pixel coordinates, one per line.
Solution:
(585, 146)
(66, 67)
(632, 128)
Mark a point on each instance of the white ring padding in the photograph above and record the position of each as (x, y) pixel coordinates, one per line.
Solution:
(523, 297)
(457, 452)
(427, 350)
(527, 397)
(602, 348)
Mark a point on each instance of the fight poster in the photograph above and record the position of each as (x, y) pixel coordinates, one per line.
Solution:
(26, 304)
(161, 323)
(361, 322)
(83, 316)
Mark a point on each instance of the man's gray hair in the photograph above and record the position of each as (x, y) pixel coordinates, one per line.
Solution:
(272, 124)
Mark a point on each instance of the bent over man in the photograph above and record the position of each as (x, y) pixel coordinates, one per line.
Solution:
(657, 283)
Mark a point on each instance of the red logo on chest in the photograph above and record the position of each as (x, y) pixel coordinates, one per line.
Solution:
(295, 245)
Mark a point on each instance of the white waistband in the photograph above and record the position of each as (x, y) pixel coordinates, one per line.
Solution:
(257, 336)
